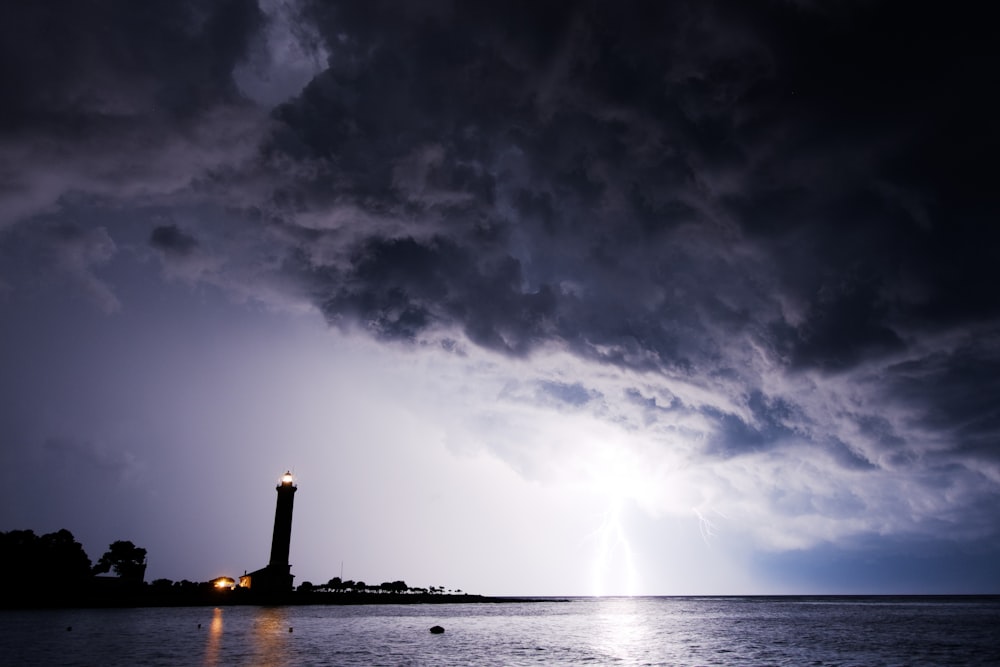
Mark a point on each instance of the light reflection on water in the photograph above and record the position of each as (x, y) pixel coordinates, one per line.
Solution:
(214, 639)
(269, 636)
(621, 631)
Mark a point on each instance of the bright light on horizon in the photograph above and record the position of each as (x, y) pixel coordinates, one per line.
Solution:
(612, 543)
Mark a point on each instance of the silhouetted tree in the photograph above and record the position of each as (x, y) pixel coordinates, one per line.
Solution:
(335, 585)
(64, 557)
(42, 568)
(127, 560)
(305, 587)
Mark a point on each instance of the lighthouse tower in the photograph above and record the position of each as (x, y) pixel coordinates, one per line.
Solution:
(277, 577)
(282, 537)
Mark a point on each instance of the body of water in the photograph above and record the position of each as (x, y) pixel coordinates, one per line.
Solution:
(592, 631)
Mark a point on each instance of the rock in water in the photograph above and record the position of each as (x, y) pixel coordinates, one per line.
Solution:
(436, 630)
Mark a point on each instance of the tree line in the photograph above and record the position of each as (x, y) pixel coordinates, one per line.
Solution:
(336, 585)
(53, 569)
(55, 565)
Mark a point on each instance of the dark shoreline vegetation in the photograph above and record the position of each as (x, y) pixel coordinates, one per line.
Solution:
(54, 571)
(206, 595)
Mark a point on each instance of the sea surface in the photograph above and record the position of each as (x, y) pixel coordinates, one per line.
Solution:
(798, 631)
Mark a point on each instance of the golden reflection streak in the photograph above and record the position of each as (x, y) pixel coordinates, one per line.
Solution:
(214, 639)
(270, 636)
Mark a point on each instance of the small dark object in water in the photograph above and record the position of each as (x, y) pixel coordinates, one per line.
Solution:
(436, 630)
(69, 628)
(199, 626)
(289, 628)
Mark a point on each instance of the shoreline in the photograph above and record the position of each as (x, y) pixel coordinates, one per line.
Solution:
(234, 598)
(140, 599)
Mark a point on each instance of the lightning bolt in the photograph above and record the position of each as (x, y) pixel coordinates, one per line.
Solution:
(612, 540)
(705, 525)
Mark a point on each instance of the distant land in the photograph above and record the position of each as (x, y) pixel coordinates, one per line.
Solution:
(53, 570)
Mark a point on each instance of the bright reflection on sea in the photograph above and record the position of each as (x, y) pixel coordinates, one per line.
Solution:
(621, 631)
(214, 639)
(270, 637)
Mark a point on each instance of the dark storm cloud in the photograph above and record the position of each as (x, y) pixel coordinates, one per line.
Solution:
(172, 240)
(399, 287)
(77, 67)
(958, 388)
(789, 205)
(667, 186)
(625, 152)
(554, 178)
(117, 100)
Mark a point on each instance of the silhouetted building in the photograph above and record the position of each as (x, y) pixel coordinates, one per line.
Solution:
(277, 576)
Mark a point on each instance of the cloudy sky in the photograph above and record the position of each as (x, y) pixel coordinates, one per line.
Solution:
(532, 297)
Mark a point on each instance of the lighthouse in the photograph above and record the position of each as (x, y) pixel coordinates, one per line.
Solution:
(281, 539)
(277, 577)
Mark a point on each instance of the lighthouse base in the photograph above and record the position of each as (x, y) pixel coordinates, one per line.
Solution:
(270, 579)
